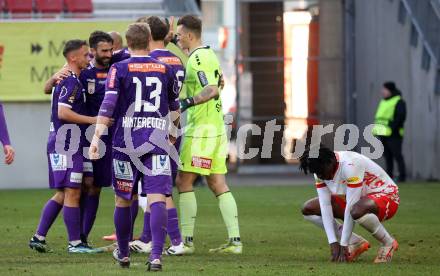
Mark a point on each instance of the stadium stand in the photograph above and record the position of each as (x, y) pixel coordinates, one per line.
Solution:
(19, 6)
(49, 6)
(94, 8)
(78, 6)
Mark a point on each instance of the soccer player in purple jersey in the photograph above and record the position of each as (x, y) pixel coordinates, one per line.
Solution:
(4, 139)
(120, 55)
(93, 79)
(96, 173)
(64, 152)
(144, 91)
(159, 30)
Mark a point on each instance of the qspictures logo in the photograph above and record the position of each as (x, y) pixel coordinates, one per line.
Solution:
(2, 50)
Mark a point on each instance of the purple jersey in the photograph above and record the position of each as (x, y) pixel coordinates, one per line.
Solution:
(165, 56)
(93, 80)
(4, 137)
(144, 91)
(120, 55)
(69, 93)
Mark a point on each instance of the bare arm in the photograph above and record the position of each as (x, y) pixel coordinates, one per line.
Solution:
(174, 129)
(208, 93)
(50, 83)
(102, 123)
(325, 204)
(66, 114)
(58, 76)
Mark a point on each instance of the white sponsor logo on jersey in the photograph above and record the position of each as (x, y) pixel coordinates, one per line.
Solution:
(76, 177)
(63, 92)
(58, 162)
(91, 86)
(122, 169)
(161, 165)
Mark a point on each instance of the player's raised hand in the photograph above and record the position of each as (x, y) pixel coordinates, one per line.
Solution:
(170, 36)
(334, 250)
(172, 25)
(9, 154)
(343, 254)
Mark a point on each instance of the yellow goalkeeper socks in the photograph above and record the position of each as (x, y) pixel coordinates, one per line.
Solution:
(228, 208)
(188, 213)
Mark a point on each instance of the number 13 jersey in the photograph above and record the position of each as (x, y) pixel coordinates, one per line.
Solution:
(144, 91)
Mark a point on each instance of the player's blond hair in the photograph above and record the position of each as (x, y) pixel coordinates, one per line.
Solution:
(138, 36)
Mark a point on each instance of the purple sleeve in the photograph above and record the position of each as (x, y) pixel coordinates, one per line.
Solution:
(111, 93)
(173, 90)
(4, 136)
(108, 104)
(121, 55)
(70, 91)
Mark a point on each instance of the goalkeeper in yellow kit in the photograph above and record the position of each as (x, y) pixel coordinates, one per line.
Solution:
(204, 147)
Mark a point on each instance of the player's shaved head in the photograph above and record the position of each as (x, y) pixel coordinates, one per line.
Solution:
(192, 24)
(99, 36)
(73, 45)
(138, 36)
(117, 40)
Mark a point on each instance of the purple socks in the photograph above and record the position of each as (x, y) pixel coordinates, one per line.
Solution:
(72, 221)
(123, 222)
(48, 216)
(134, 209)
(173, 227)
(158, 222)
(146, 232)
(91, 203)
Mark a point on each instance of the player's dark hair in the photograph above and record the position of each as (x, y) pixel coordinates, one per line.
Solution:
(192, 23)
(99, 36)
(73, 45)
(142, 19)
(159, 28)
(326, 157)
(138, 36)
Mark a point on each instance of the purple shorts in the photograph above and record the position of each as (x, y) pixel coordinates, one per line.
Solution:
(153, 170)
(100, 169)
(65, 174)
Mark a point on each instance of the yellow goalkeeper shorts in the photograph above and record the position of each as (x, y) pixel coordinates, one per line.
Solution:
(204, 155)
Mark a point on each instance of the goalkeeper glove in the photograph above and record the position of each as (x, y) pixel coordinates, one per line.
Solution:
(186, 103)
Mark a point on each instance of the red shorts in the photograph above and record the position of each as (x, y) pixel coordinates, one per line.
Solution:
(386, 204)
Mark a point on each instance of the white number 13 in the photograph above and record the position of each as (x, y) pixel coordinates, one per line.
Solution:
(155, 94)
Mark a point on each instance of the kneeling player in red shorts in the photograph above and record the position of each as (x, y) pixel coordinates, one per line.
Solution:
(353, 188)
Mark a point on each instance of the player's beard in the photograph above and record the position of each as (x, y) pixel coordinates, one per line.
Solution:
(105, 62)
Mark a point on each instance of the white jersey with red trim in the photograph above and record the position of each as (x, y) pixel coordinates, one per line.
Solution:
(356, 170)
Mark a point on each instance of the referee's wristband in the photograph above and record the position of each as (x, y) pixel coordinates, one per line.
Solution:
(186, 103)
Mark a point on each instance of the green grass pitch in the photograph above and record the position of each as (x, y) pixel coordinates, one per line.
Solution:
(277, 240)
